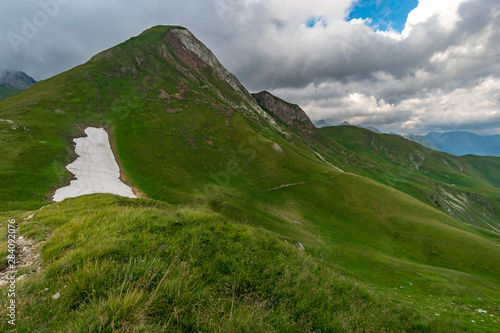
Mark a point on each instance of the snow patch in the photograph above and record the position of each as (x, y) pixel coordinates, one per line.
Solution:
(95, 169)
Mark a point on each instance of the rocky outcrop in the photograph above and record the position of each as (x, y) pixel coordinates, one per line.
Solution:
(291, 114)
(195, 46)
(15, 79)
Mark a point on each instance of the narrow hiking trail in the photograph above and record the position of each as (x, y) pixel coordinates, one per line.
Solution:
(27, 258)
(287, 185)
(295, 184)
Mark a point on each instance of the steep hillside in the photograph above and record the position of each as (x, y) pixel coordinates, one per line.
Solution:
(187, 133)
(463, 187)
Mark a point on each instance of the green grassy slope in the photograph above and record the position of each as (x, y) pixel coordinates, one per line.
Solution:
(463, 187)
(183, 135)
(192, 134)
(144, 266)
(6, 92)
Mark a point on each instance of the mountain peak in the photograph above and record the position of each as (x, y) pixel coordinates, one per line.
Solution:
(15, 79)
(177, 46)
(322, 123)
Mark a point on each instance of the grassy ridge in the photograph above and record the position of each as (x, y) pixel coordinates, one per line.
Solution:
(463, 187)
(395, 228)
(143, 266)
(394, 243)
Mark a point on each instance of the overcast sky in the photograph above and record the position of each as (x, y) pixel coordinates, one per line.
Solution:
(340, 60)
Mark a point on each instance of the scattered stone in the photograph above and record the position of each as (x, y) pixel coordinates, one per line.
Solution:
(481, 311)
(277, 148)
(289, 220)
(22, 277)
(56, 296)
(300, 246)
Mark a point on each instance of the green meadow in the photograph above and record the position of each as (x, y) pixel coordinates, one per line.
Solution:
(227, 200)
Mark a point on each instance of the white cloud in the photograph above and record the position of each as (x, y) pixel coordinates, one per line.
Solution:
(445, 11)
(473, 108)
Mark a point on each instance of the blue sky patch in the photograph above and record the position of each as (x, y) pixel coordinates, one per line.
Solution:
(384, 14)
(311, 22)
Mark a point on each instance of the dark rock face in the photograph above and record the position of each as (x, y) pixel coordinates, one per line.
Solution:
(15, 79)
(291, 114)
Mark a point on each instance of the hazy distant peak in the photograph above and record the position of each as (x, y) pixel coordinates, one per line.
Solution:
(15, 79)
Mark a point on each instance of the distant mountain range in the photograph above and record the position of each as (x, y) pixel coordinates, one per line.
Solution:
(460, 143)
(419, 139)
(456, 142)
(323, 123)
